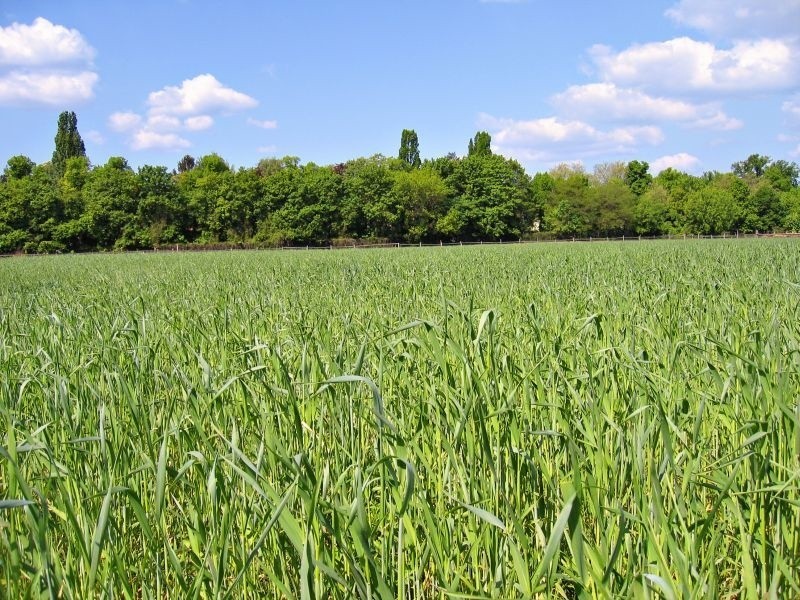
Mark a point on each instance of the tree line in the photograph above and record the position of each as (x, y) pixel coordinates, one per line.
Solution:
(68, 204)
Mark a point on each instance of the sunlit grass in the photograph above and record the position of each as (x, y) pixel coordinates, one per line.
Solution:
(601, 420)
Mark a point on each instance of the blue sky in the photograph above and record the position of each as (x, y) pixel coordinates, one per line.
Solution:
(694, 84)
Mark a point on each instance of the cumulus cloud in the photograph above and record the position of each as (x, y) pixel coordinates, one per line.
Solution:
(681, 161)
(262, 124)
(42, 44)
(684, 65)
(124, 121)
(50, 88)
(609, 102)
(202, 94)
(174, 110)
(156, 131)
(145, 139)
(162, 123)
(44, 63)
(553, 138)
(198, 123)
(739, 18)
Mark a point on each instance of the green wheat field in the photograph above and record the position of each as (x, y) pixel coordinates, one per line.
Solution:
(549, 420)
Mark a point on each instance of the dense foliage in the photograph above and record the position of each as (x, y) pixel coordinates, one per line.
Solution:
(567, 421)
(68, 204)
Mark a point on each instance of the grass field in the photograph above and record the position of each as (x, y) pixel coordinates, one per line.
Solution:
(565, 420)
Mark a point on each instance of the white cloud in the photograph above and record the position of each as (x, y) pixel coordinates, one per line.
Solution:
(718, 120)
(555, 139)
(176, 109)
(609, 102)
(685, 65)
(124, 121)
(263, 124)
(145, 139)
(163, 123)
(739, 18)
(197, 96)
(43, 87)
(42, 43)
(267, 149)
(43, 63)
(198, 123)
(681, 161)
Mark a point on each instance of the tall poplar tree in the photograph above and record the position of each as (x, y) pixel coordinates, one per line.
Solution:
(480, 145)
(409, 148)
(68, 142)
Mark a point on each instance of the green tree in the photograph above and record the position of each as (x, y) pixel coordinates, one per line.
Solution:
(764, 209)
(712, 210)
(309, 212)
(409, 148)
(68, 142)
(18, 167)
(369, 209)
(542, 188)
(610, 208)
(791, 200)
(421, 194)
(566, 211)
(248, 203)
(492, 200)
(30, 211)
(782, 175)
(210, 193)
(73, 231)
(651, 214)
(678, 186)
(445, 166)
(110, 201)
(161, 216)
(637, 177)
(480, 145)
(751, 167)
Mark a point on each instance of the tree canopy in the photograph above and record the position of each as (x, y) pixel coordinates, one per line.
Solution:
(68, 142)
(280, 201)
